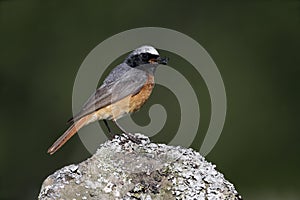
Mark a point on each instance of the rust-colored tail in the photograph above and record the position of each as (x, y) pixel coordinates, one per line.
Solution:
(67, 135)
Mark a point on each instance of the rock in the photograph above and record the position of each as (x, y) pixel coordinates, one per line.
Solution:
(126, 169)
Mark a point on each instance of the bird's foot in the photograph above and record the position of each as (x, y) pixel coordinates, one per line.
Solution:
(134, 138)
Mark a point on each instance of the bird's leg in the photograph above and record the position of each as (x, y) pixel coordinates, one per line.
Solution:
(120, 127)
(108, 128)
(106, 124)
(131, 137)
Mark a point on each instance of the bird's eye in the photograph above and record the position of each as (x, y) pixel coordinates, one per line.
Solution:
(144, 56)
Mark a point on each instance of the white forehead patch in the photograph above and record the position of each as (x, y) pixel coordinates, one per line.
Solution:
(145, 49)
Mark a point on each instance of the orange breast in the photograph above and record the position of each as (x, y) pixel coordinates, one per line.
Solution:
(140, 98)
(127, 105)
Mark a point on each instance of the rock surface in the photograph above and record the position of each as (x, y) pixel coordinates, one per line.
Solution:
(123, 169)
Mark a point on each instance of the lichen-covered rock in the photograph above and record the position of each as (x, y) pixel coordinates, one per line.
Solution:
(123, 169)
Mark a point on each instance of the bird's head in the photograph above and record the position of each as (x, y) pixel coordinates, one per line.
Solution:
(145, 55)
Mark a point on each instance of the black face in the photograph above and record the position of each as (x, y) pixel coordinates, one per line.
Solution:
(141, 59)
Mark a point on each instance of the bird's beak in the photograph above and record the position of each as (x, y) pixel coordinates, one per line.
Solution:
(162, 61)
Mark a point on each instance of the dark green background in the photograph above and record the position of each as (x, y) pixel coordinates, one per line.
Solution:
(255, 46)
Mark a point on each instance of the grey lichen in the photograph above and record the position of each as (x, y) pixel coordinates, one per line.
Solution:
(122, 169)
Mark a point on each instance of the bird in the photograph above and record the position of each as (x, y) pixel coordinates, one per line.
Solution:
(126, 88)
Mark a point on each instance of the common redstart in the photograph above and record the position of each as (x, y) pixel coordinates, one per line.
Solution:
(124, 90)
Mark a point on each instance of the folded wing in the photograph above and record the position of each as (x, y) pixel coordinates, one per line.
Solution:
(130, 83)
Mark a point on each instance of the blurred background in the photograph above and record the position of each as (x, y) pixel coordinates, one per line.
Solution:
(255, 46)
